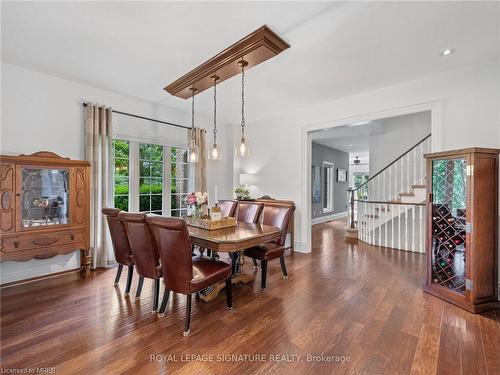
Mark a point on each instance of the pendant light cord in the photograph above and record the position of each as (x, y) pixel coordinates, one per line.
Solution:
(215, 109)
(192, 114)
(242, 101)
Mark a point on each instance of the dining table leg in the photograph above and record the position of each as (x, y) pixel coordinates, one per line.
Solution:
(238, 277)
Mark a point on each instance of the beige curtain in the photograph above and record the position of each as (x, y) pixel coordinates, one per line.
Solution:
(98, 149)
(199, 169)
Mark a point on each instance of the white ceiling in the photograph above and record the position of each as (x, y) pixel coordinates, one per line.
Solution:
(355, 138)
(337, 48)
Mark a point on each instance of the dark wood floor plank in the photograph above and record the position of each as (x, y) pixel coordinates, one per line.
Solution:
(344, 300)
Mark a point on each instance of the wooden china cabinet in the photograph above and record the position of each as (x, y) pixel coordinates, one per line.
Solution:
(44, 207)
(462, 227)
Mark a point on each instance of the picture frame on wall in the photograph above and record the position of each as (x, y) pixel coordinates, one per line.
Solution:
(341, 175)
(316, 184)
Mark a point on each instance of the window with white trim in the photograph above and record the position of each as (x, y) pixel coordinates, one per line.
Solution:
(150, 178)
(327, 181)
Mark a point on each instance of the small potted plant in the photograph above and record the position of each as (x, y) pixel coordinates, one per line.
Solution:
(242, 193)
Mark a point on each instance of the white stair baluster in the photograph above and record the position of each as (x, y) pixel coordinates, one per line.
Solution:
(413, 237)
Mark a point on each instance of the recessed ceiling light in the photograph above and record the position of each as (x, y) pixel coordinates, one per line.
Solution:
(447, 51)
(350, 145)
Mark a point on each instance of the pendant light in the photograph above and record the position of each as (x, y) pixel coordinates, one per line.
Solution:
(243, 149)
(193, 151)
(215, 150)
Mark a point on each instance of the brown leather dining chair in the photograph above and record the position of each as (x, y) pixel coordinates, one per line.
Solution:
(121, 246)
(181, 272)
(248, 212)
(146, 258)
(228, 208)
(277, 215)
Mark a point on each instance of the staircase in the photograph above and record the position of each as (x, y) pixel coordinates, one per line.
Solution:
(389, 209)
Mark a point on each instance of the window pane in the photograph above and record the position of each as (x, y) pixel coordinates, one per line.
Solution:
(121, 151)
(173, 186)
(145, 151)
(174, 202)
(144, 203)
(156, 185)
(156, 169)
(121, 202)
(180, 170)
(121, 167)
(121, 185)
(157, 153)
(156, 202)
(145, 168)
(175, 213)
(144, 185)
(121, 148)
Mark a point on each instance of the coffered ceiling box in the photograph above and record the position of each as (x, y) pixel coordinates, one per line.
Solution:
(255, 48)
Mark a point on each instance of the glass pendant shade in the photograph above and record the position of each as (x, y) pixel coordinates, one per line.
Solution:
(215, 152)
(243, 148)
(193, 150)
(193, 153)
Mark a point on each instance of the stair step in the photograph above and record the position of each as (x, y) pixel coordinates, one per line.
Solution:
(418, 186)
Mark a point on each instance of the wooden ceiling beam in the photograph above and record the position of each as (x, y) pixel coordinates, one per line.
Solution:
(255, 48)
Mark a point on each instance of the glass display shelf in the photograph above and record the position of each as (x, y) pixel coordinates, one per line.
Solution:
(449, 252)
(44, 197)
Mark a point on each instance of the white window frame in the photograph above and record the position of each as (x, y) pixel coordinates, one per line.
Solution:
(330, 187)
(133, 191)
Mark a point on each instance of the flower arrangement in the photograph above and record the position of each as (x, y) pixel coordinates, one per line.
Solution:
(197, 203)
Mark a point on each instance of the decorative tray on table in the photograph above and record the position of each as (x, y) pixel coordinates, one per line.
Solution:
(206, 223)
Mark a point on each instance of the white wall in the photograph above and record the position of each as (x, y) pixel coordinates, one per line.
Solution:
(42, 112)
(400, 134)
(470, 117)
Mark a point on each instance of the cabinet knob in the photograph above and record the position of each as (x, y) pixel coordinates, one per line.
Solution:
(16, 243)
(72, 236)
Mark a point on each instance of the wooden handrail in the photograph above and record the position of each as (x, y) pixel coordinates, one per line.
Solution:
(389, 202)
(391, 163)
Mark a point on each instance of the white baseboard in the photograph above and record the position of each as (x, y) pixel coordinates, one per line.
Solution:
(323, 219)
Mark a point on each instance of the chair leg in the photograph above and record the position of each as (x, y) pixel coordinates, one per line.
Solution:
(283, 267)
(263, 266)
(156, 295)
(187, 320)
(129, 280)
(254, 264)
(166, 294)
(139, 287)
(229, 293)
(118, 274)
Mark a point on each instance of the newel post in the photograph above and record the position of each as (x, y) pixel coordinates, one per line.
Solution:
(351, 231)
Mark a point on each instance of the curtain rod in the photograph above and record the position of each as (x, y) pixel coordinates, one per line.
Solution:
(147, 118)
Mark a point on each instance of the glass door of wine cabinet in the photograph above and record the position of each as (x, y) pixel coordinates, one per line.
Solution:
(44, 197)
(449, 203)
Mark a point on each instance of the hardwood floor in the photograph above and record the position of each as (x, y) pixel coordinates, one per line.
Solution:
(359, 302)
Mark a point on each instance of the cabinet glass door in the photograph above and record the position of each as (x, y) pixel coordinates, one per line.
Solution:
(44, 197)
(449, 202)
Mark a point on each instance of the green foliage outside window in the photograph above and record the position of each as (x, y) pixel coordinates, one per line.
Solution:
(121, 151)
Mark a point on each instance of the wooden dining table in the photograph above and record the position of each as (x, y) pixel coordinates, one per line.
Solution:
(233, 240)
